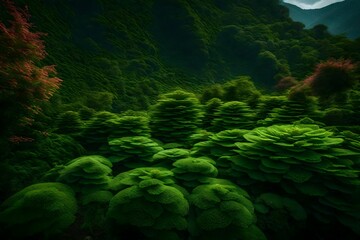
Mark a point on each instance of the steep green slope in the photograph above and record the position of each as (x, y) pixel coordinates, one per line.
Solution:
(129, 51)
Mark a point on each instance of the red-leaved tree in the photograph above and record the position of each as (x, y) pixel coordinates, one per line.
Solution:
(331, 77)
(24, 82)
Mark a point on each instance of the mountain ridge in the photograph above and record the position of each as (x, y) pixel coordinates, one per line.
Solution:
(340, 17)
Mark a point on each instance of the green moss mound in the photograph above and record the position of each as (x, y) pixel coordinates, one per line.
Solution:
(43, 209)
(86, 174)
(149, 200)
(222, 210)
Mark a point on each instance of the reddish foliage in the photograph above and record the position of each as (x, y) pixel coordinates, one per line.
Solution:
(331, 77)
(20, 139)
(286, 83)
(23, 83)
(299, 92)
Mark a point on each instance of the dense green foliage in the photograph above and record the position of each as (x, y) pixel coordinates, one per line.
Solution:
(41, 210)
(87, 173)
(217, 150)
(120, 55)
(233, 115)
(175, 117)
(222, 210)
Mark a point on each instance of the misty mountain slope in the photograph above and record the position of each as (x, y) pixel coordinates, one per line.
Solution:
(340, 18)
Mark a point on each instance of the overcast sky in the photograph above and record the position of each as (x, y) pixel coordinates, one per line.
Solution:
(312, 4)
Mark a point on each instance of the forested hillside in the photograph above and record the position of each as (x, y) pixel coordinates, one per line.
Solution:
(340, 18)
(176, 120)
(130, 51)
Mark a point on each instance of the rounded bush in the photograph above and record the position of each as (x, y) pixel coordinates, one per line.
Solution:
(192, 171)
(133, 152)
(86, 174)
(233, 115)
(175, 117)
(222, 211)
(42, 210)
(149, 201)
(129, 126)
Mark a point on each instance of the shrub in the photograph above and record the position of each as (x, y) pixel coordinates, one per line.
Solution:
(291, 111)
(94, 208)
(241, 89)
(135, 176)
(149, 201)
(267, 104)
(337, 116)
(42, 210)
(200, 136)
(175, 117)
(132, 152)
(97, 130)
(285, 152)
(280, 217)
(69, 123)
(354, 100)
(222, 211)
(233, 115)
(129, 126)
(192, 171)
(211, 108)
(100, 101)
(306, 161)
(86, 113)
(86, 174)
(220, 147)
(331, 77)
(167, 157)
(285, 84)
(213, 91)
